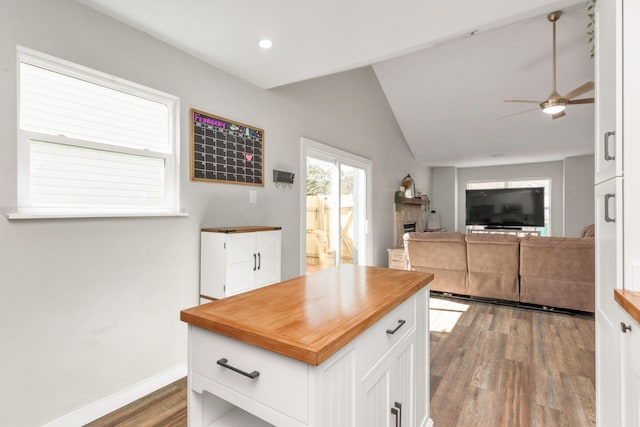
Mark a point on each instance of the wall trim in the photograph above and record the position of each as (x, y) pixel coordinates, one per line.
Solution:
(119, 399)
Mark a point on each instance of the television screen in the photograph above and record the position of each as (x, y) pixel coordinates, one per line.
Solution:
(506, 207)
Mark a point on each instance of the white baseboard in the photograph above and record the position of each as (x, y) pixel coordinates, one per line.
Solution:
(117, 400)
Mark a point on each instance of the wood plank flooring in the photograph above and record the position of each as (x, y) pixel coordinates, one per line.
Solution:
(508, 366)
(491, 366)
(166, 407)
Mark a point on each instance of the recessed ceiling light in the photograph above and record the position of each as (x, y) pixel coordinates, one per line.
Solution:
(265, 43)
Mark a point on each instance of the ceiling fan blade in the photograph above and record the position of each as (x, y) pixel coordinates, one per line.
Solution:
(558, 115)
(581, 101)
(519, 112)
(579, 90)
(523, 100)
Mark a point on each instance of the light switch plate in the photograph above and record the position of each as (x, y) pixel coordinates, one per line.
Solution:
(253, 196)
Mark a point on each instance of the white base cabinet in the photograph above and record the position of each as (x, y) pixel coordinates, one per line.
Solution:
(377, 379)
(236, 260)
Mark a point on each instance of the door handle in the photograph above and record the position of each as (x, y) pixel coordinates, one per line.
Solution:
(624, 327)
(259, 261)
(254, 262)
(606, 146)
(607, 217)
(396, 411)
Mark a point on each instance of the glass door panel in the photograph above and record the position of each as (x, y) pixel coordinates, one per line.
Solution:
(335, 213)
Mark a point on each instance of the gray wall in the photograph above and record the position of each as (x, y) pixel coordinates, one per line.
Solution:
(553, 170)
(571, 190)
(578, 194)
(445, 195)
(90, 307)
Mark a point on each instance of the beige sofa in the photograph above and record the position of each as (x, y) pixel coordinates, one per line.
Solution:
(546, 271)
(442, 253)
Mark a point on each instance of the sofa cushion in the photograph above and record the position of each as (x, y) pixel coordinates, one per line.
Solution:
(493, 262)
(558, 272)
(442, 253)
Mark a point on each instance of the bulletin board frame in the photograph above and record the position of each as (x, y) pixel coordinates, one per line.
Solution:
(225, 151)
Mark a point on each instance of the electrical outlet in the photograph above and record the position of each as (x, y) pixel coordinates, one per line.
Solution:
(253, 196)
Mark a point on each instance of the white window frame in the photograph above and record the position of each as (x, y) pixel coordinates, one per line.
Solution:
(171, 158)
(520, 183)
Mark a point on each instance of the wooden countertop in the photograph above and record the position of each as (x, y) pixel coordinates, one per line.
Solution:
(310, 317)
(630, 301)
(243, 229)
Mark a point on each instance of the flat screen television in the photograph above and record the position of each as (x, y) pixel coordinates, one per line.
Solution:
(506, 207)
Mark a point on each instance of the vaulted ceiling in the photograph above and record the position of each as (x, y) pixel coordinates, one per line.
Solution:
(444, 66)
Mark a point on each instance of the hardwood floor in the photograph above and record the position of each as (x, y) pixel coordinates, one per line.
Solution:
(490, 366)
(507, 366)
(166, 407)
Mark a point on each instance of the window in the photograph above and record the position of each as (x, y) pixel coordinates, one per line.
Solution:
(526, 183)
(90, 144)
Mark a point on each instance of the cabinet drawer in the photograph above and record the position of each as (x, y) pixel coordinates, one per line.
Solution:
(375, 342)
(282, 383)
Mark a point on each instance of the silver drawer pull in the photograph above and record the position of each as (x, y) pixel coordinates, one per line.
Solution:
(224, 363)
(608, 217)
(606, 146)
(393, 331)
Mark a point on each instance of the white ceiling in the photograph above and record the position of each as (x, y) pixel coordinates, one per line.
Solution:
(444, 86)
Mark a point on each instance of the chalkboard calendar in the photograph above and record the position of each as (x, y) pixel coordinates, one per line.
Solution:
(225, 151)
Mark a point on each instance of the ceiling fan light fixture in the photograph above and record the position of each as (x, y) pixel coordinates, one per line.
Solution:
(549, 107)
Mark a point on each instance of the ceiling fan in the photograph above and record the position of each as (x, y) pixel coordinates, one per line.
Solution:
(555, 104)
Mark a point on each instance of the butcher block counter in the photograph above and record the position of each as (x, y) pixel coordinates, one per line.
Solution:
(343, 346)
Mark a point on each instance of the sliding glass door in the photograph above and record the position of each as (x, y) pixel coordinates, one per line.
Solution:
(335, 218)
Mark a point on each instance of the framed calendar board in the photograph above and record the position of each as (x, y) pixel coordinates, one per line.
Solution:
(225, 151)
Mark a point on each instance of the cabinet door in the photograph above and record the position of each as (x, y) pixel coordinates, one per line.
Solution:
(608, 216)
(241, 263)
(376, 393)
(269, 259)
(403, 381)
(631, 372)
(609, 242)
(608, 148)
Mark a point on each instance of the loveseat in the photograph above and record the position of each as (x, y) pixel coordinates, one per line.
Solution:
(545, 271)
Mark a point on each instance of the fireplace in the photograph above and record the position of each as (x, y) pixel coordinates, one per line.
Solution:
(408, 217)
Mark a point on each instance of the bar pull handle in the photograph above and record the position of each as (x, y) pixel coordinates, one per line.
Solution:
(399, 407)
(254, 262)
(607, 217)
(259, 260)
(624, 328)
(224, 363)
(606, 146)
(395, 413)
(393, 331)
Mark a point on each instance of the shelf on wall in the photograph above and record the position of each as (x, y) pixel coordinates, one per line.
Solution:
(415, 201)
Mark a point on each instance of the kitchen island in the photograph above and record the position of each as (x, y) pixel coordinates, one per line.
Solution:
(347, 346)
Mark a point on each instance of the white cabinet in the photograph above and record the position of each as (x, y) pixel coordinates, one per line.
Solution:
(383, 368)
(235, 260)
(608, 90)
(630, 330)
(608, 151)
(617, 235)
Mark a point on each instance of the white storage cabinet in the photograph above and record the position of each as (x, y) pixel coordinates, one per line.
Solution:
(238, 259)
(378, 379)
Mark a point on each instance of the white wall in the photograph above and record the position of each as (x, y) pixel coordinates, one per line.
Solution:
(91, 306)
(578, 194)
(553, 170)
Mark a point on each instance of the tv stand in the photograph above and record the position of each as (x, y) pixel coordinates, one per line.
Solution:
(518, 231)
(501, 227)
